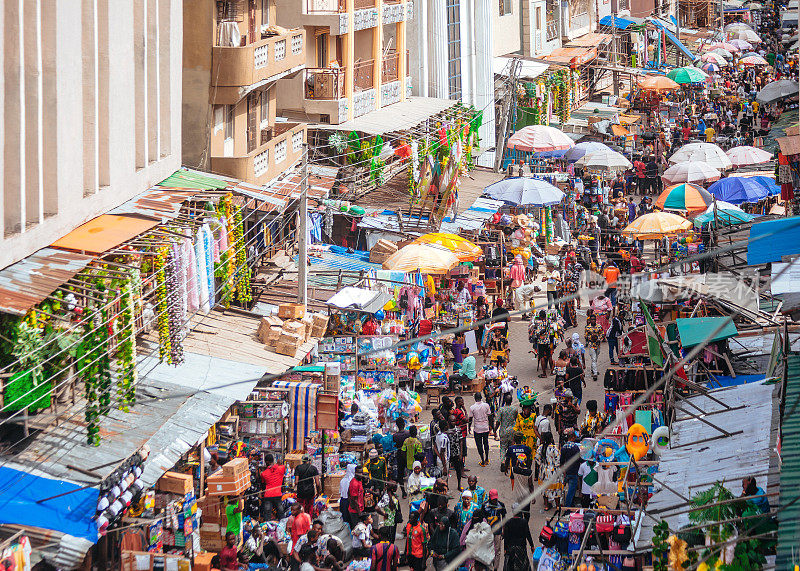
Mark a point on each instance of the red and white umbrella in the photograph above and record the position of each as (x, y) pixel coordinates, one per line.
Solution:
(743, 45)
(747, 155)
(753, 60)
(539, 138)
(697, 172)
(714, 57)
(725, 46)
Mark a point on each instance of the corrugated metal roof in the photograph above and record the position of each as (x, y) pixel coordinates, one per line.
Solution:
(789, 516)
(725, 458)
(157, 202)
(25, 283)
(192, 179)
(396, 117)
(105, 232)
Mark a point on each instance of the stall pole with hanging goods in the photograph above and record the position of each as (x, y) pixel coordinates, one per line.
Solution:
(302, 242)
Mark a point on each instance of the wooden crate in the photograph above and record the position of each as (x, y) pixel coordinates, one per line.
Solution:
(327, 411)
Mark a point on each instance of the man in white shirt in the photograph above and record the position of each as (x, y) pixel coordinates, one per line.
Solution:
(480, 414)
(586, 489)
(441, 445)
(543, 423)
(553, 278)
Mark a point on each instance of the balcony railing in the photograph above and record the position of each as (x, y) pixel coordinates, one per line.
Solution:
(362, 4)
(580, 21)
(390, 68)
(258, 61)
(324, 83)
(325, 6)
(363, 78)
(552, 30)
(268, 159)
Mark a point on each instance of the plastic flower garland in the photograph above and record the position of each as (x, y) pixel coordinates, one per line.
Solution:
(162, 317)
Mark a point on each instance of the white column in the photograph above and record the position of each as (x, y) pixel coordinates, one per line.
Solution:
(467, 51)
(421, 22)
(437, 37)
(484, 96)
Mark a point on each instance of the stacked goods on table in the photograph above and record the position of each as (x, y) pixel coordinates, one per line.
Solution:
(269, 330)
(381, 251)
(231, 480)
(291, 337)
(291, 328)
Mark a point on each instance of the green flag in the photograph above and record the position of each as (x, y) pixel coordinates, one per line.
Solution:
(653, 337)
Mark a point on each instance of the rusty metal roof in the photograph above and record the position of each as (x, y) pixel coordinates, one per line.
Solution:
(28, 282)
(157, 202)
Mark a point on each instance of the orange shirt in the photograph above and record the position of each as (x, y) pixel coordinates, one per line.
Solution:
(611, 274)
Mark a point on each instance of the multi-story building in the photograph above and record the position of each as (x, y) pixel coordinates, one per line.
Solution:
(91, 112)
(356, 61)
(235, 53)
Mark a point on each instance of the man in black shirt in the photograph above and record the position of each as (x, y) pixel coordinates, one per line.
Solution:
(500, 314)
(575, 378)
(568, 451)
(399, 438)
(308, 485)
(651, 175)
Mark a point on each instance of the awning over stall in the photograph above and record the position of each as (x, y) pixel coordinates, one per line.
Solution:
(401, 116)
(359, 299)
(696, 330)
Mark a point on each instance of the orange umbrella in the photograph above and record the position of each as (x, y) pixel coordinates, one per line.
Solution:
(465, 250)
(655, 225)
(685, 196)
(657, 83)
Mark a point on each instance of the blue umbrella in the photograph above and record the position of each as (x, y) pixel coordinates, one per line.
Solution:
(738, 189)
(768, 183)
(580, 149)
(524, 191)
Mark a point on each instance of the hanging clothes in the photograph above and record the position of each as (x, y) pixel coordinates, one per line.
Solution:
(201, 257)
(192, 293)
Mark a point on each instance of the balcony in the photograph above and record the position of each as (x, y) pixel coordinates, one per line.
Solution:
(333, 15)
(262, 60)
(363, 75)
(279, 148)
(324, 83)
(390, 68)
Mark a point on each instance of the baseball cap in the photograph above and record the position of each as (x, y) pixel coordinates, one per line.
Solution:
(306, 458)
(493, 494)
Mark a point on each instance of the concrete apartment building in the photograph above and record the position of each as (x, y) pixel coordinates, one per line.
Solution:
(356, 61)
(91, 111)
(235, 53)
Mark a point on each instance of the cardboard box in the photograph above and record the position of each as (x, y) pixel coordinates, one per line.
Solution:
(221, 484)
(320, 320)
(265, 326)
(308, 321)
(384, 246)
(291, 311)
(290, 350)
(297, 327)
(236, 467)
(332, 482)
(293, 460)
(379, 257)
(175, 483)
(273, 335)
(287, 338)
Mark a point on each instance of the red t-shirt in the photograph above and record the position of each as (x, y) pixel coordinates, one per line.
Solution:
(272, 476)
(228, 558)
(355, 494)
(686, 133)
(300, 525)
(461, 421)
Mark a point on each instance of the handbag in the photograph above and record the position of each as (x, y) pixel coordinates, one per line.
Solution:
(547, 535)
(622, 534)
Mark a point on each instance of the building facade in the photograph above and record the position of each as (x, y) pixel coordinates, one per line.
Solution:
(91, 111)
(356, 61)
(235, 53)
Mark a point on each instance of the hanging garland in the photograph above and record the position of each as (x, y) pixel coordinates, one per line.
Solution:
(101, 356)
(175, 310)
(126, 353)
(162, 317)
(94, 366)
(243, 294)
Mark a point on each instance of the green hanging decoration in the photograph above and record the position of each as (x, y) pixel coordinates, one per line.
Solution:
(126, 351)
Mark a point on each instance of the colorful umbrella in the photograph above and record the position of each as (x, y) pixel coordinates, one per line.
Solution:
(655, 225)
(723, 52)
(525, 191)
(726, 212)
(657, 83)
(710, 67)
(725, 46)
(777, 90)
(687, 74)
(743, 45)
(714, 57)
(580, 149)
(696, 171)
(706, 152)
(738, 189)
(685, 196)
(749, 36)
(605, 160)
(737, 27)
(753, 60)
(461, 247)
(539, 138)
(746, 155)
(421, 258)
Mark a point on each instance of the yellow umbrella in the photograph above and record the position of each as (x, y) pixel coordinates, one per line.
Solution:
(461, 247)
(655, 225)
(422, 258)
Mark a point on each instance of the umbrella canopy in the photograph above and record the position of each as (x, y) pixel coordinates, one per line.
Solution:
(539, 138)
(421, 258)
(655, 225)
(580, 149)
(742, 44)
(605, 160)
(710, 67)
(768, 183)
(687, 74)
(746, 54)
(736, 27)
(465, 250)
(685, 196)
(738, 189)
(726, 212)
(777, 90)
(695, 171)
(755, 6)
(747, 155)
(725, 46)
(707, 152)
(714, 57)
(753, 60)
(657, 83)
(525, 191)
(723, 52)
(748, 36)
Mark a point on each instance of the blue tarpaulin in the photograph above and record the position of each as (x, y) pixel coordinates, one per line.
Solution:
(725, 381)
(696, 330)
(675, 41)
(616, 22)
(773, 239)
(71, 514)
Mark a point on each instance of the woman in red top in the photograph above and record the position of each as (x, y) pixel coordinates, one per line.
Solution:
(229, 556)
(355, 494)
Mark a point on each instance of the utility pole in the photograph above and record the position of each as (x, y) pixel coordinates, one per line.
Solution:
(500, 146)
(302, 241)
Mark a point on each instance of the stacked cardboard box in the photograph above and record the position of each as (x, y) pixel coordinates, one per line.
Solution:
(319, 325)
(381, 251)
(292, 336)
(212, 537)
(265, 328)
(175, 483)
(291, 311)
(233, 479)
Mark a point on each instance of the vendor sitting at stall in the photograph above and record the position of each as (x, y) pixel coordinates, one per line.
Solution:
(498, 345)
(466, 374)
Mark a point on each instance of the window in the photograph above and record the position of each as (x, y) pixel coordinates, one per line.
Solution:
(229, 121)
(322, 50)
(264, 15)
(453, 8)
(505, 7)
(264, 110)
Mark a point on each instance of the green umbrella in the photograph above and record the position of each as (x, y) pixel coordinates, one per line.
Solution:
(687, 74)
